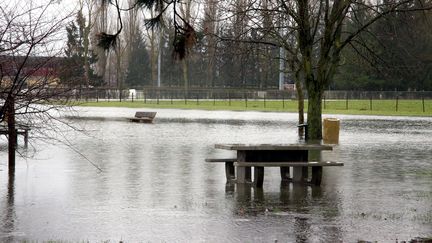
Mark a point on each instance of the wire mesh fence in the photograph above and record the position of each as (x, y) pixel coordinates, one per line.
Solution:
(286, 99)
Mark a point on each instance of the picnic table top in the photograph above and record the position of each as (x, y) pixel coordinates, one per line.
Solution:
(274, 146)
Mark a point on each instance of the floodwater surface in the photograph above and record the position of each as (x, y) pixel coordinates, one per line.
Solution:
(154, 185)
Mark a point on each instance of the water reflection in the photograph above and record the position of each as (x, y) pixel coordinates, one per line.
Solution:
(155, 185)
(9, 216)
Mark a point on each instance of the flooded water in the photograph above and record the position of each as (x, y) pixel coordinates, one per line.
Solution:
(155, 186)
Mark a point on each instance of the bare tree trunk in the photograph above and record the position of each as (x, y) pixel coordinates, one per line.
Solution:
(314, 112)
(300, 100)
(10, 111)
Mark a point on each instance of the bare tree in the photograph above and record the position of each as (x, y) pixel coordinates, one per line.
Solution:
(29, 47)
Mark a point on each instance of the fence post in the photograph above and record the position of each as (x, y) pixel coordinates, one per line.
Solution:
(157, 98)
(264, 100)
(120, 95)
(370, 103)
(283, 100)
(132, 97)
(97, 95)
(229, 98)
(324, 101)
(346, 101)
(171, 97)
(185, 98)
(197, 99)
(397, 102)
(214, 99)
(423, 104)
(246, 99)
(145, 96)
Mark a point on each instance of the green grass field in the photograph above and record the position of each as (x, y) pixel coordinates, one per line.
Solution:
(354, 107)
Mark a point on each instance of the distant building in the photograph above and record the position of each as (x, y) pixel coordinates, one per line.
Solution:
(36, 71)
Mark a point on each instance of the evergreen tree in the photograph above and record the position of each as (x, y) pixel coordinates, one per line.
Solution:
(139, 73)
(73, 71)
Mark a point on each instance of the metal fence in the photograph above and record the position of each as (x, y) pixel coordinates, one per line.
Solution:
(227, 94)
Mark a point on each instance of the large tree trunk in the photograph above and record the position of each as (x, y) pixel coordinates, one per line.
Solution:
(314, 111)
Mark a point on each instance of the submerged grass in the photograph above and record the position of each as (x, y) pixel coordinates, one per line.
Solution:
(352, 107)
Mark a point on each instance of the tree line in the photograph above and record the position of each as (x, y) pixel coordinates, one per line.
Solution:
(233, 51)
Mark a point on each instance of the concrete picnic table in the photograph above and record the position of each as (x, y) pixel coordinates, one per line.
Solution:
(276, 155)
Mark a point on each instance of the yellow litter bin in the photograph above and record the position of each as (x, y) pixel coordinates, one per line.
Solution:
(331, 130)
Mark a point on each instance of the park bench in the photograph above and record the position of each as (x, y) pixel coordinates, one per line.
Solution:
(143, 116)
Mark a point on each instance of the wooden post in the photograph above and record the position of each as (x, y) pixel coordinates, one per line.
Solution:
(132, 97)
(370, 103)
(120, 95)
(264, 100)
(171, 98)
(246, 99)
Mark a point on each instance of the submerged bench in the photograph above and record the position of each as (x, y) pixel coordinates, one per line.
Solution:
(316, 170)
(143, 116)
(231, 163)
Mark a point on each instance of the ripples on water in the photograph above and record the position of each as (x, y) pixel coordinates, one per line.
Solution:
(155, 185)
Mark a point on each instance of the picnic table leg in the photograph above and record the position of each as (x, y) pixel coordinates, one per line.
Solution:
(26, 138)
(300, 174)
(243, 173)
(285, 173)
(258, 176)
(316, 175)
(229, 171)
(316, 171)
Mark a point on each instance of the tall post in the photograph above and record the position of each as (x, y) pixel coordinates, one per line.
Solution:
(12, 141)
(281, 67)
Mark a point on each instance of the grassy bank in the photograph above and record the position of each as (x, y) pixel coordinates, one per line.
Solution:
(353, 107)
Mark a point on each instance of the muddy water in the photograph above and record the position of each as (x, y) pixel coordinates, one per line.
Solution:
(155, 186)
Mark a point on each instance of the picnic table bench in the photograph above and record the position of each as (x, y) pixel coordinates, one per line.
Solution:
(267, 155)
(143, 116)
(19, 130)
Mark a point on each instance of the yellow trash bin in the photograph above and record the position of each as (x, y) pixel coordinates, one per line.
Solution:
(331, 130)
